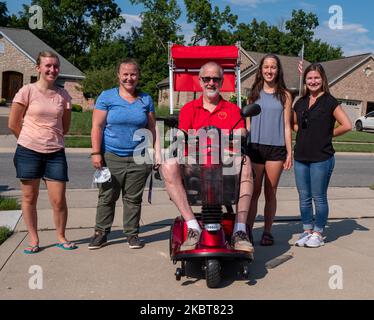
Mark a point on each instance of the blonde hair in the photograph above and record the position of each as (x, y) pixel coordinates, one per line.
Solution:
(46, 54)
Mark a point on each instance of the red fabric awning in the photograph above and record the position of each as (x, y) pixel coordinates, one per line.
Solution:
(188, 60)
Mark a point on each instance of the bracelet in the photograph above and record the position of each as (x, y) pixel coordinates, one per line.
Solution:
(95, 153)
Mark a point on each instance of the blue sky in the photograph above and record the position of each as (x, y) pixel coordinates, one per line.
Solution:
(355, 37)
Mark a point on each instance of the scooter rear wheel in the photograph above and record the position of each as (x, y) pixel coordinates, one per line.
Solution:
(213, 273)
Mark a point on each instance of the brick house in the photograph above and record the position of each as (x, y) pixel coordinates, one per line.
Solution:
(19, 50)
(351, 81)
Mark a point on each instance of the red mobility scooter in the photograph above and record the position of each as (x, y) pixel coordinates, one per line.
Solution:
(206, 183)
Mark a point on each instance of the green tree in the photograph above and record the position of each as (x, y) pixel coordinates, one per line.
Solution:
(211, 25)
(98, 80)
(71, 27)
(109, 53)
(4, 18)
(150, 40)
(318, 51)
(300, 30)
(261, 37)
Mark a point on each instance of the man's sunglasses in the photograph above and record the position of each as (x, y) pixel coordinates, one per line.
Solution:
(304, 119)
(207, 79)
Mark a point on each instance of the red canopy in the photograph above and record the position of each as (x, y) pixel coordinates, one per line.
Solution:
(188, 60)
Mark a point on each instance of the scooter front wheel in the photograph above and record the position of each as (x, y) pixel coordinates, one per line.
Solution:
(213, 273)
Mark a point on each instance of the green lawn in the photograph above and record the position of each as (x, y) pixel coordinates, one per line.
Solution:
(9, 204)
(355, 136)
(81, 123)
(5, 233)
(77, 142)
(348, 147)
(352, 136)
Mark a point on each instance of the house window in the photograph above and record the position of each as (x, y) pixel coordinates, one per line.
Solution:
(368, 71)
(60, 83)
(2, 48)
(350, 103)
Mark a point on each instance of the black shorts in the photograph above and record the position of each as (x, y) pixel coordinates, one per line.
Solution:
(260, 153)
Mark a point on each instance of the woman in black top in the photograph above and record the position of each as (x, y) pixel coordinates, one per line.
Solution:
(314, 119)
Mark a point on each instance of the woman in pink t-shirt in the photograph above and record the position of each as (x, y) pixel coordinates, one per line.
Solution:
(39, 118)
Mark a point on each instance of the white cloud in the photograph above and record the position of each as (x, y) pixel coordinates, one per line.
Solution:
(353, 38)
(250, 3)
(132, 20)
(307, 6)
(357, 28)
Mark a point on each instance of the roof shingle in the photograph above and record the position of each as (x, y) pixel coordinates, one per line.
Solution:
(32, 45)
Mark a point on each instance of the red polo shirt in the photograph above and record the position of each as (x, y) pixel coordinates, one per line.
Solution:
(224, 116)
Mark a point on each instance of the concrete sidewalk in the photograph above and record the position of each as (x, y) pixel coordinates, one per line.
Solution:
(117, 272)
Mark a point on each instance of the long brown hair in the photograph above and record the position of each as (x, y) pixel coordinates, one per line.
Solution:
(318, 68)
(258, 85)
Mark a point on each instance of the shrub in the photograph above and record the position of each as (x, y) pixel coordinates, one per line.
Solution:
(76, 108)
(98, 80)
(233, 99)
(2, 101)
(9, 204)
(5, 233)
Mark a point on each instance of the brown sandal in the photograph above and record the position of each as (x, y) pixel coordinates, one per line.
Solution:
(267, 239)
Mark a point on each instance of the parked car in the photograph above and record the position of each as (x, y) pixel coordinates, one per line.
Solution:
(365, 122)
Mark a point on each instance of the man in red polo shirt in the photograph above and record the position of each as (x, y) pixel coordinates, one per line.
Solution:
(210, 110)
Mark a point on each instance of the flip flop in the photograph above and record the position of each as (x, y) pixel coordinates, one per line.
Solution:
(267, 239)
(31, 249)
(66, 245)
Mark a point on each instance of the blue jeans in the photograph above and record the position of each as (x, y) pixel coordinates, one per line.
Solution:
(312, 181)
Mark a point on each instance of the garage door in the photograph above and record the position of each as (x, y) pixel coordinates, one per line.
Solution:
(352, 108)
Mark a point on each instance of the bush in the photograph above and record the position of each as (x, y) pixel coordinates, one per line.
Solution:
(233, 99)
(9, 204)
(81, 123)
(76, 108)
(5, 233)
(2, 101)
(98, 80)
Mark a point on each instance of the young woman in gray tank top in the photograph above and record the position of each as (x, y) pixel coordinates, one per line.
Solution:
(270, 148)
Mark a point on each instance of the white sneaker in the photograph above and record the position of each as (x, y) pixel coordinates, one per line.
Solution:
(315, 241)
(304, 237)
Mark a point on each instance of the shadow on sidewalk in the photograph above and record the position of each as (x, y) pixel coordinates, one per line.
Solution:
(117, 236)
(341, 228)
(285, 234)
(5, 188)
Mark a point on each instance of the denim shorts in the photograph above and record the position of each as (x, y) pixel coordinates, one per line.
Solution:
(35, 165)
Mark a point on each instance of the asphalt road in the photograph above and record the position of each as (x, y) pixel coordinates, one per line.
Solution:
(350, 171)
(4, 125)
